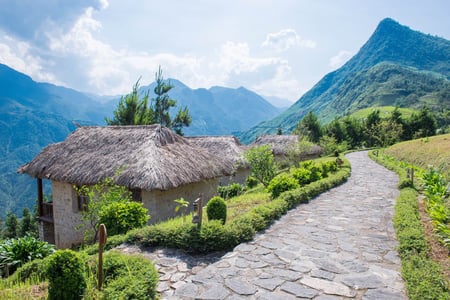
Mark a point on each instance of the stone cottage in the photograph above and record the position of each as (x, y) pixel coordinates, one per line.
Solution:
(155, 164)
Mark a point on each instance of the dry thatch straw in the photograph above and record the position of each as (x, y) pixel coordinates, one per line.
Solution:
(226, 147)
(147, 157)
(280, 144)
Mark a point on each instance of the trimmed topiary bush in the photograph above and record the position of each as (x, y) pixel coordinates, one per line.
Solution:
(66, 275)
(216, 209)
(281, 183)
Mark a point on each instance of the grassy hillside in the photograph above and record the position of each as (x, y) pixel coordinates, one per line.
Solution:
(433, 151)
(385, 112)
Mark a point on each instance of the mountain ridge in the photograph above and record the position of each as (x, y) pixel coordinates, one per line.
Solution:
(390, 42)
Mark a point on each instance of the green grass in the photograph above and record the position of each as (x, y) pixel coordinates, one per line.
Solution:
(422, 275)
(432, 151)
(385, 112)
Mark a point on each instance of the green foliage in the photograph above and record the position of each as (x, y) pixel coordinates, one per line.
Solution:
(32, 269)
(261, 161)
(183, 204)
(309, 127)
(299, 150)
(281, 183)
(251, 182)
(216, 209)
(100, 196)
(132, 110)
(422, 275)
(230, 191)
(302, 175)
(11, 229)
(28, 224)
(120, 217)
(66, 275)
(126, 276)
(17, 251)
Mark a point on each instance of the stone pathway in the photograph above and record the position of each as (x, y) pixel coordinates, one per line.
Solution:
(339, 246)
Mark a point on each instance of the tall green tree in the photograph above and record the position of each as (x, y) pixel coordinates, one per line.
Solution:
(310, 127)
(28, 224)
(162, 104)
(135, 109)
(132, 110)
(11, 229)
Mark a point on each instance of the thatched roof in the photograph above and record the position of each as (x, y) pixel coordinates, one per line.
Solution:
(280, 144)
(226, 147)
(148, 157)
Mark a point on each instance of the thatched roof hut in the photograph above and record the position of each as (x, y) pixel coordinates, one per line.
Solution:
(226, 147)
(282, 144)
(147, 157)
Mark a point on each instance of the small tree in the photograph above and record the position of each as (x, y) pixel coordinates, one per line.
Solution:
(28, 224)
(11, 229)
(100, 196)
(310, 126)
(262, 163)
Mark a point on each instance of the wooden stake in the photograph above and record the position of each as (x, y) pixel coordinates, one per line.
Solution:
(101, 242)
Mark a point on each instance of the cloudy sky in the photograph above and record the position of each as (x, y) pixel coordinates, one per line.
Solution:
(273, 47)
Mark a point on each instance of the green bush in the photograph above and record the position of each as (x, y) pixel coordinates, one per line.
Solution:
(251, 182)
(126, 277)
(31, 269)
(302, 175)
(281, 183)
(230, 191)
(119, 217)
(16, 252)
(216, 209)
(66, 275)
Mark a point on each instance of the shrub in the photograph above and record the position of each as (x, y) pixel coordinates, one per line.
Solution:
(34, 268)
(230, 191)
(16, 252)
(262, 163)
(251, 182)
(119, 217)
(216, 209)
(127, 277)
(281, 183)
(302, 175)
(66, 274)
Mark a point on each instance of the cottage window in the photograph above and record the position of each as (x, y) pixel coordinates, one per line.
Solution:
(83, 201)
(136, 195)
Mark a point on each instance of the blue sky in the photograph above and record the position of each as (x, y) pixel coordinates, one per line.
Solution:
(273, 47)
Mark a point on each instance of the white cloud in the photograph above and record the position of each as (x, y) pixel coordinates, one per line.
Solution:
(285, 39)
(338, 60)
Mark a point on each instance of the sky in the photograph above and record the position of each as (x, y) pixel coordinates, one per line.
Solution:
(276, 48)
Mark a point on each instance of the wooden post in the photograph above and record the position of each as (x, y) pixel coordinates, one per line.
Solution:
(200, 210)
(412, 176)
(101, 242)
(40, 197)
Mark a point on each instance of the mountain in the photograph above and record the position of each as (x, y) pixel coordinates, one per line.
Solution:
(396, 66)
(279, 102)
(34, 115)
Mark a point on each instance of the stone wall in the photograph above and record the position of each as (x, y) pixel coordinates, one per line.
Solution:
(161, 205)
(66, 215)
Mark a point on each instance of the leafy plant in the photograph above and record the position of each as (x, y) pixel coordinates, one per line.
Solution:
(16, 252)
(281, 183)
(262, 163)
(230, 191)
(66, 274)
(216, 209)
(120, 217)
(251, 182)
(182, 204)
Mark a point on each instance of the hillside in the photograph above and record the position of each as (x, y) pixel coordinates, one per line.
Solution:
(396, 66)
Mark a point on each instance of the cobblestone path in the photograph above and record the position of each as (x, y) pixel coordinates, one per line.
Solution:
(339, 246)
